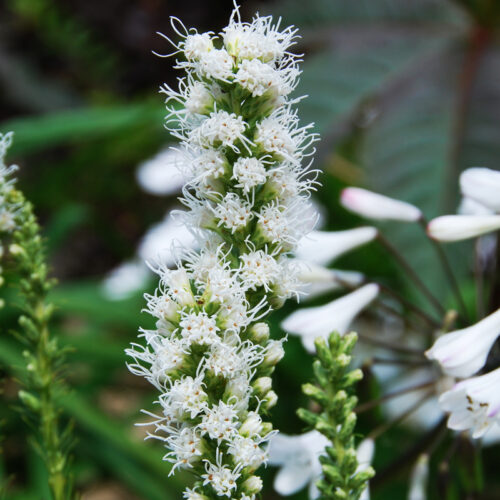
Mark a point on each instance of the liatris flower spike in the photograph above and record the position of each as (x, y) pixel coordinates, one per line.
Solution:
(20, 234)
(210, 356)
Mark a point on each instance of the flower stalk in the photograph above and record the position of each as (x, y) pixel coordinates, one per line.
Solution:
(43, 356)
(342, 477)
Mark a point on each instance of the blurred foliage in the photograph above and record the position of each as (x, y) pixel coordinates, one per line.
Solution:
(405, 95)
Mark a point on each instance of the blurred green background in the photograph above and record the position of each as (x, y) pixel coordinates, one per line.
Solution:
(405, 94)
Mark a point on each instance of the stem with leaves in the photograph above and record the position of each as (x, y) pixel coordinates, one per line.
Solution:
(342, 478)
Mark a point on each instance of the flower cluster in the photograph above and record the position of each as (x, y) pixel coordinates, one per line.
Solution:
(210, 356)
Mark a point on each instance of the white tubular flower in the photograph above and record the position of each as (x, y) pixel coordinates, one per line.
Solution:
(246, 200)
(463, 352)
(298, 459)
(419, 477)
(376, 206)
(483, 186)
(337, 316)
(322, 247)
(468, 206)
(462, 227)
(474, 404)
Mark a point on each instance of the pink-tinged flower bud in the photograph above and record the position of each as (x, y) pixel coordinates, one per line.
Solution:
(376, 206)
(482, 185)
(473, 404)
(463, 352)
(338, 315)
(322, 247)
(462, 227)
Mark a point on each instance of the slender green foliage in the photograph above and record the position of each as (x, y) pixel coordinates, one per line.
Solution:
(342, 478)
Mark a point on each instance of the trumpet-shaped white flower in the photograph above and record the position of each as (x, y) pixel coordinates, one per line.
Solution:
(463, 352)
(474, 404)
(322, 247)
(376, 206)
(298, 459)
(418, 479)
(483, 186)
(338, 315)
(462, 227)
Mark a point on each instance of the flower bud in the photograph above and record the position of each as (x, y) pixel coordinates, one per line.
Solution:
(270, 401)
(259, 332)
(252, 485)
(16, 249)
(462, 227)
(252, 425)
(274, 352)
(262, 385)
(376, 206)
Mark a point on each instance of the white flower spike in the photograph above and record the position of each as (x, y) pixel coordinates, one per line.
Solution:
(246, 196)
(483, 186)
(322, 247)
(337, 316)
(474, 404)
(376, 206)
(463, 352)
(462, 227)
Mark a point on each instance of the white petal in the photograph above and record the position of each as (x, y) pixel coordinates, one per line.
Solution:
(319, 280)
(125, 279)
(292, 478)
(364, 453)
(160, 240)
(463, 352)
(376, 206)
(335, 316)
(418, 480)
(283, 448)
(161, 174)
(462, 227)
(468, 206)
(483, 186)
(322, 247)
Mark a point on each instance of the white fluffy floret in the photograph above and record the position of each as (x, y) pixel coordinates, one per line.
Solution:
(249, 172)
(233, 212)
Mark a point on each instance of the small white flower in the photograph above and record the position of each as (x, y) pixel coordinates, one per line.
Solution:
(221, 478)
(275, 138)
(418, 480)
(220, 422)
(233, 212)
(298, 459)
(185, 446)
(249, 172)
(162, 174)
(198, 100)
(209, 164)
(216, 63)
(376, 206)
(463, 352)
(221, 128)
(474, 404)
(322, 247)
(258, 269)
(199, 328)
(197, 45)
(483, 186)
(247, 452)
(462, 227)
(338, 315)
(468, 206)
(185, 397)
